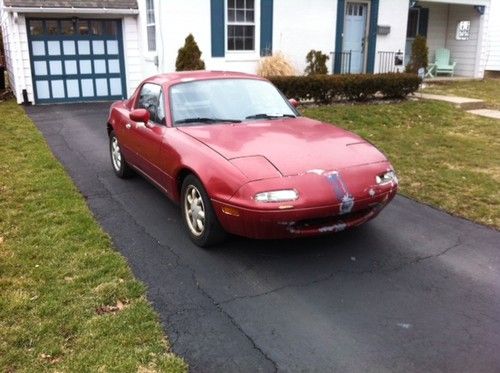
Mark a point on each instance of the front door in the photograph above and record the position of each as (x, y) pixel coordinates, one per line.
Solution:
(355, 34)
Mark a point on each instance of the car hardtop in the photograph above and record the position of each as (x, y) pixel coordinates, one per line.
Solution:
(170, 79)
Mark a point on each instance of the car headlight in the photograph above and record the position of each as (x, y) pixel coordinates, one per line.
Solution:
(277, 196)
(386, 177)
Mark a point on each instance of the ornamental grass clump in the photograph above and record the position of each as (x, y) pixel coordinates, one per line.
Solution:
(276, 65)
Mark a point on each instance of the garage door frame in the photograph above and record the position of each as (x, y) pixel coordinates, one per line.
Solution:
(45, 37)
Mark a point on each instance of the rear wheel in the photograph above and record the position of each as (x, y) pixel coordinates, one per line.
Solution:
(199, 217)
(120, 166)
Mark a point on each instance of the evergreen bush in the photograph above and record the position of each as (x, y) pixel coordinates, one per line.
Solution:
(189, 56)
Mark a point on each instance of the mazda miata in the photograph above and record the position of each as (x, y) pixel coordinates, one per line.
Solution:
(239, 158)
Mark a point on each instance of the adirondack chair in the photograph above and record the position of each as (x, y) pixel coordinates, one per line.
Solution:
(442, 63)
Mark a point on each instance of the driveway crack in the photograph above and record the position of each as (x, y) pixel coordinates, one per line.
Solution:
(332, 275)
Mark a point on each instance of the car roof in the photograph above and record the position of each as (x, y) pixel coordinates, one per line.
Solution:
(182, 76)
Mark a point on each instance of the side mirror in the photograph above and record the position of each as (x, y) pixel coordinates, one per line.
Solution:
(294, 102)
(139, 115)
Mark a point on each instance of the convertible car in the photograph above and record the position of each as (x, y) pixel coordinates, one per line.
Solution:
(239, 158)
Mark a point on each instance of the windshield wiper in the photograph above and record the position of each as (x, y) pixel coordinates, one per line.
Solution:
(269, 116)
(206, 120)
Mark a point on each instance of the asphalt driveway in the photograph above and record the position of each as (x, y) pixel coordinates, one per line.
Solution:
(414, 290)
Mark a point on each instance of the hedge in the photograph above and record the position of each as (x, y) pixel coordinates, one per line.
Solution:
(327, 88)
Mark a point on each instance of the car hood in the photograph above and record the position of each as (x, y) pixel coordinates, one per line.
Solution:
(292, 145)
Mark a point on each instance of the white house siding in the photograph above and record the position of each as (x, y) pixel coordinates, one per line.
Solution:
(299, 26)
(133, 61)
(25, 67)
(437, 29)
(10, 50)
(175, 20)
(493, 43)
(389, 14)
(17, 54)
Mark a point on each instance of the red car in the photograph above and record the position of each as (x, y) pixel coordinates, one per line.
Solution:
(238, 158)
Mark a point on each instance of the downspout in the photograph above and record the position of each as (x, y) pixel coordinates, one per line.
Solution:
(480, 46)
(19, 53)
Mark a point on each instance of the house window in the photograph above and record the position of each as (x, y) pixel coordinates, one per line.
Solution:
(412, 27)
(240, 25)
(150, 25)
(463, 30)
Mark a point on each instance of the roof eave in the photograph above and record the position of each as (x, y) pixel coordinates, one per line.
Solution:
(113, 11)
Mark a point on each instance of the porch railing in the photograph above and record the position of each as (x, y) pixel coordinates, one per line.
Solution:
(386, 63)
(341, 62)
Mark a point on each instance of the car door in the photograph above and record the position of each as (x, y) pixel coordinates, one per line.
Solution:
(147, 137)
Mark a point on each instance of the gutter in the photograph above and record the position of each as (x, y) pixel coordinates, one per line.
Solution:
(80, 11)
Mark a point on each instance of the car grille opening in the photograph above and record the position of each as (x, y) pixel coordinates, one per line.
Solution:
(318, 223)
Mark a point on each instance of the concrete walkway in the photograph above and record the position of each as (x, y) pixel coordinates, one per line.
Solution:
(472, 105)
(489, 113)
(462, 102)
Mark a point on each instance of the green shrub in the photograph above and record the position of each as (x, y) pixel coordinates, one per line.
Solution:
(419, 55)
(359, 87)
(316, 63)
(189, 56)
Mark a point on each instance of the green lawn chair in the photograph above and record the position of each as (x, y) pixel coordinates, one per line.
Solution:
(442, 63)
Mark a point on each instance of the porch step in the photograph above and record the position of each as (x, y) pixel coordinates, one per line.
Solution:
(495, 114)
(462, 102)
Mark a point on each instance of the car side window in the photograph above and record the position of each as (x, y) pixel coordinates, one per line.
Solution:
(151, 99)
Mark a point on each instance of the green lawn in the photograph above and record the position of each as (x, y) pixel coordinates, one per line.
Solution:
(487, 90)
(68, 301)
(444, 156)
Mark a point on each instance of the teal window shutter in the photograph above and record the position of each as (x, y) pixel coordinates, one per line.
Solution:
(423, 21)
(266, 27)
(217, 27)
(372, 37)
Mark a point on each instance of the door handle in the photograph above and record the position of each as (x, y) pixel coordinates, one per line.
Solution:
(128, 126)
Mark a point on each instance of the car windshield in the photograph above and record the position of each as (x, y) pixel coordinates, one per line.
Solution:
(226, 100)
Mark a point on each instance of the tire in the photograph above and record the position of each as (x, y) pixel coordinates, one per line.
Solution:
(118, 163)
(198, 214)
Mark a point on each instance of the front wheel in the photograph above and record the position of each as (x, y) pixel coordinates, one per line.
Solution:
(120, 166)
(199, 217)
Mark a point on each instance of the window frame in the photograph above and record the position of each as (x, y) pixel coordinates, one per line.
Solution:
(243, 55)
(150, 12)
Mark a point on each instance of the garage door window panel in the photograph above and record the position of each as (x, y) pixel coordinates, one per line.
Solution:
(115, 86)
(83, 47)
(57, 88)
(114, 66)
(54, 48)
(112, 46)
(72, 88)
(70, 67)
(69, 48)
(52, 27)
(55, 68)
(67, 27)
(40, 68)
(98, 47)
